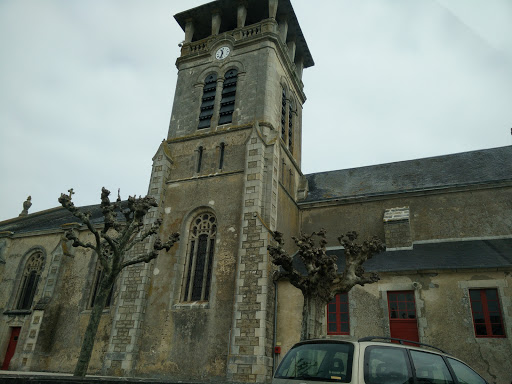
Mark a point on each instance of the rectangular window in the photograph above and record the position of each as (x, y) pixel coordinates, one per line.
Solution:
(485, 308)
(338, 316)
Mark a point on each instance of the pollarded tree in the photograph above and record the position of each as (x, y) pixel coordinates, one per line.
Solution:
(112, 243)
(322, 280)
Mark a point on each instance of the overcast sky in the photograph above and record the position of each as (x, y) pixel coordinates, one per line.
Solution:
(86, 88)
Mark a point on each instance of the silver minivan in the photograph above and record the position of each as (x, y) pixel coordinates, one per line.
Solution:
(371, 360)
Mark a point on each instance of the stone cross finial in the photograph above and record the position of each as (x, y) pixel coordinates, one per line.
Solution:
(26, 205)
(71, 193)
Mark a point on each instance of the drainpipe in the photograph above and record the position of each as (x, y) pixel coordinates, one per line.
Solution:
(274, 339)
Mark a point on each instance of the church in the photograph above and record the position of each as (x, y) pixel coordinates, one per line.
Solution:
(228, 174)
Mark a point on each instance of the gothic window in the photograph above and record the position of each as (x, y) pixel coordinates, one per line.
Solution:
(208, 101)
(98, 277)
(29, 281)
(283, 114)
(200, 251)
(227, 103)
(338, 316)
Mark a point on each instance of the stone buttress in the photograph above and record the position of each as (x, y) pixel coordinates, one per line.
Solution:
(134, 282)
(251, 341)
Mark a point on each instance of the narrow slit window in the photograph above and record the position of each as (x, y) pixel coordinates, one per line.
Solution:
(208, 101)
(227, 103)
(199, 266)
(221, 155)
(199, 159)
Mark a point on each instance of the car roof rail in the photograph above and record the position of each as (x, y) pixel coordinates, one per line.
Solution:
(401, 341)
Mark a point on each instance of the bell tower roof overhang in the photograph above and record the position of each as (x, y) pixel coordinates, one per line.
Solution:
(257, 10)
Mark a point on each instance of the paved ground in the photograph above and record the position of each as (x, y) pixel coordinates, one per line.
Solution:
(17, 377)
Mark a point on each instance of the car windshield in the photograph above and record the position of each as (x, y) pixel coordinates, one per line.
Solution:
(318, 362)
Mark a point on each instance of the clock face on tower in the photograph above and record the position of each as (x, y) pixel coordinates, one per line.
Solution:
(222, 53)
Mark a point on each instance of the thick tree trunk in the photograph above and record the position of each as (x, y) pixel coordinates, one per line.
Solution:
(313, 312)
(92, 327)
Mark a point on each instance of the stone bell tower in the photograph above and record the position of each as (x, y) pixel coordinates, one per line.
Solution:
(227, 174)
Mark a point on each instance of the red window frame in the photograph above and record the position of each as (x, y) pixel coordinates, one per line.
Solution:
(402, 305)
(338, 317)
(486, 313)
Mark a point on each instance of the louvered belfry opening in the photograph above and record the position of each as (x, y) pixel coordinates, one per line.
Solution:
(290, 126)
(227, 103)
(208, 101)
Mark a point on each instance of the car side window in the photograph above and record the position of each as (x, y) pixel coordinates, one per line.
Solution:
(318, 362)
(386, 365)
(465, 375)
(430, 368)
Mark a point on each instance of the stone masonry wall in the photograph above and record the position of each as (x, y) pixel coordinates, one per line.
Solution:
(134, 283)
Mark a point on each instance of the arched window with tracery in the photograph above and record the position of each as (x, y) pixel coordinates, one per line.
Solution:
(200, 251)
(29, 281)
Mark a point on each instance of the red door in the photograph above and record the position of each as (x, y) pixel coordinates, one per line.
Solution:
(402, 315)
(15, 333)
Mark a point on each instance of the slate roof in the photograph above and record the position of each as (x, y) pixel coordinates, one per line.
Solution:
(459, 255)
(461, 169)
(50, 219)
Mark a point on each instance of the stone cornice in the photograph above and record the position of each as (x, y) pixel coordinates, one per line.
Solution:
(54, 231)
(208, 133)
(209, 176)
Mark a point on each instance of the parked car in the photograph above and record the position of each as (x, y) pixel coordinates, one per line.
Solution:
(371, 360)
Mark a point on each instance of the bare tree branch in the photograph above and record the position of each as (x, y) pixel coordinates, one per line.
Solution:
(113, 242)
(322, 280)
(281, 258)
(355, 256)
(65, 201)
(157, 246)
(70, 235)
